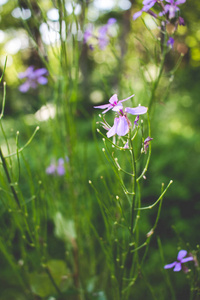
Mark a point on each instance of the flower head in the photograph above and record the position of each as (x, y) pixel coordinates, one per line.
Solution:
(57, 168)
(170, 42)
(103, 36)
(33, 78)
(172, 7)
(113, 104)
(177, 265)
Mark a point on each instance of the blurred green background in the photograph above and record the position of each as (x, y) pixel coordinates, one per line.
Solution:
(175, 119)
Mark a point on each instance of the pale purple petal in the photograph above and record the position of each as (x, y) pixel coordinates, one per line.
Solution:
(51, 169)
(40, 72)
(103, 106)
(113, 129)
(122, 127)
(103, 42)
(184, 260)
(140, 110)
(113, 100)
(177, 267)
(127, 98)
(137, 15)
(42, 80)
(111, 21)
(181, 254)
(27, 73)
(24, 87)
(60, 170)
(169, 266)
(180, 2)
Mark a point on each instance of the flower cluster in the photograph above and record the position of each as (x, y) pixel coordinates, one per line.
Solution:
(57, 168)
(33, 78)
(122, 124)
(169, 13)
(103, 36)
(181, 259)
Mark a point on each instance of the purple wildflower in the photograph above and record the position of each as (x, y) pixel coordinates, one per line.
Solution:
(172, 7)
(103, 34)
(113, 104)
(177, 265)
(122, 123)
(33, 78)
(103, 37)
(50, 170)
(170, 42)
(57, 168)
(146, 143)
(88, 33)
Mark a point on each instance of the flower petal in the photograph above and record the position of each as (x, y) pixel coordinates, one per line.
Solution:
(184, 260)
(113, 129)
(137, 15)
(42, 80)
(24, 87)
(177, 267)
(181, 254)
(113, 99)
(122, 127)
(140, 110)
(169, 266)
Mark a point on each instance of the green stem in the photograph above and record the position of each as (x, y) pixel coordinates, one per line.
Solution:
(9, 179)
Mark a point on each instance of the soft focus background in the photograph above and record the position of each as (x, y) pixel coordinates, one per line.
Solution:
(175, 130)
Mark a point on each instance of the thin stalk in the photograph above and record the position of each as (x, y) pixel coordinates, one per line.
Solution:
(14, 193)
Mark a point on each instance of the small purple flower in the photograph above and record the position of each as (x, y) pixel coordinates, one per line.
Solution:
(50, 170)
(88, 33)
(172, 7)
(114, 104)
(103, 37)
(57, 168)
(170, 42)
(177, 265)
(146, 143)
(33, 78)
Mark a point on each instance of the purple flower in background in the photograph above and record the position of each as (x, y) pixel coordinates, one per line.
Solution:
(88, 33)
(50, 170)
(177, 265)
(170, 42)
(113, 104)
(103, 37)
(147, 5)
(146, 143)
(33, 78)
(61, 167)
(172, 7)
(57, 168)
